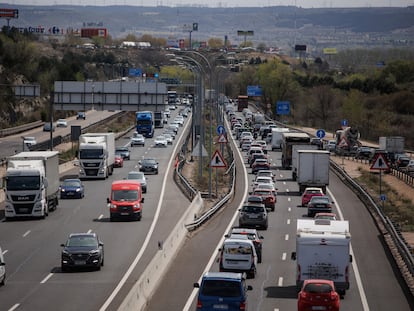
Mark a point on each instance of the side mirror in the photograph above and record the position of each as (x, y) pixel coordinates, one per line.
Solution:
(108, 200)
(293, 256)
(63, 245)
(350, 258)
(249, 287)
(196, 285)
(142, 200)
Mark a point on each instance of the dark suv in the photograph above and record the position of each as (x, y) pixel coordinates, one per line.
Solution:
(81, 115)
(253, 215)
(222, 290)
(82, 250)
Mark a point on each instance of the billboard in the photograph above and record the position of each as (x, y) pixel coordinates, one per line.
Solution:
(93, 32)
(9, 13)
(329, 51)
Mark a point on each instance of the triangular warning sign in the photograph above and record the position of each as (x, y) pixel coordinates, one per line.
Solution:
(379, 162)
(222, 139)
(343, 143)
(217, 160)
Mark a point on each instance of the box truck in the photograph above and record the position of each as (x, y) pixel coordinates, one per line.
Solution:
(313, 169)
(323, 252)
(288, 140)
(31, 184)
(277, 138)
(295, 149)
(96, 155)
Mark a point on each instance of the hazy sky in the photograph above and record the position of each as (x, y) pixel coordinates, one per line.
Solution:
(225, 3)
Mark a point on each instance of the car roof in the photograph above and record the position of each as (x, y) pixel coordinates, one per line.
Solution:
(223, 275)
(90, 234)
(244, 230)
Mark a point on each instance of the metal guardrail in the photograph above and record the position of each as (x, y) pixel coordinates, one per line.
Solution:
(396, 243)
(19, 129)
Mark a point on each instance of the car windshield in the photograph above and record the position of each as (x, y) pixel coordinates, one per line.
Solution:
(252, 209)
(137, 175)
(318, 288)
(221, 288)
(71, 183)
(82, 241)
(148, 162)
(260, 192)
(125, 195)
(23, 183)
(320, 199)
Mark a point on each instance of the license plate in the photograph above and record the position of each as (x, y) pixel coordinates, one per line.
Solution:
(70, 193)
(220, 307)
(253, 216)
(318, 308)
(124, 214)
(80, 262)
(23, 209)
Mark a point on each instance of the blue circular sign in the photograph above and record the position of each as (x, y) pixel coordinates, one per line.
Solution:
(344, 122)
(320, 133)
(221, 129)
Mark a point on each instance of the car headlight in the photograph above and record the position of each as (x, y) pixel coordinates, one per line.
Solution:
(77, 190)
(65, 253)
(94, 252)
(62, 190)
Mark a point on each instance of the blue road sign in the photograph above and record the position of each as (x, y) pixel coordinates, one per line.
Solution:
(344, 122)
(383, 197)
(282, 107)
(221, 130)
(320, 133)
(254, 90)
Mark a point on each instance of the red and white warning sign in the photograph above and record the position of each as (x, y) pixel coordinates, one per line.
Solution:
(379, 162)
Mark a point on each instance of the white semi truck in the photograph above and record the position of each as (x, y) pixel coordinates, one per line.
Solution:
(313, 169)
(31, 184)
(323, 252)
(96, 155)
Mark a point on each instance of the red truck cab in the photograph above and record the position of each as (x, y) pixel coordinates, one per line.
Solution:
(125, 200)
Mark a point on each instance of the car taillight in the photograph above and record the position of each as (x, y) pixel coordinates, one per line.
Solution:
(199, 304)
(242, 306)
(334, 296)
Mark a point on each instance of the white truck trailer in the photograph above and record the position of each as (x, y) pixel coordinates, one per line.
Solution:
(96, 155)
(277, 138)
(323, 252)
(295, 149)
(31, 184)
(313, 169)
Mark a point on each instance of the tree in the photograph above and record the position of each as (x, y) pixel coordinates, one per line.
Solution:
(215, 43)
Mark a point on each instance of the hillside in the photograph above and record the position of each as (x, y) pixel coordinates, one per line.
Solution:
(275, 26)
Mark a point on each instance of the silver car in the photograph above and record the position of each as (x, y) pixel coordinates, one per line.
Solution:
(253, 215)
(139, 176)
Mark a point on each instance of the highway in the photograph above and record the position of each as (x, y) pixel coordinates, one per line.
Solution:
(375, 282)
(32, 247)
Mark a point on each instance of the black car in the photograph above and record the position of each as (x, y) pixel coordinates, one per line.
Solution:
(82, 250)
(148, 165)
(363, 153)
(319, 204)
(124, 152)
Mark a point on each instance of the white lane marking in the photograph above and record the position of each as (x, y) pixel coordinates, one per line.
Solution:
(46, 278)
(289, 209)
(100, 217)
(286, 237)
(14, 307)
(284, 256)
(289, 199)
(287, 190)
(288, 222)
(213, 256)
(358, 279)
(89, 231)
(26, 233)
(5, 251)
(284, 182)
(280, 281)
(148, 236)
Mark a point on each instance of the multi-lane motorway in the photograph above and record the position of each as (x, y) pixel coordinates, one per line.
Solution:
(375, 284)
(32, 247)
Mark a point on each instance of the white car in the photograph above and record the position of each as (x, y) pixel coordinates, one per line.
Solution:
(137, 139)
(179, 120)
(61, 123)
(263, 180)
(29, 141)
(167, 112)
(160, 141)
(169, 138)
(2, 269)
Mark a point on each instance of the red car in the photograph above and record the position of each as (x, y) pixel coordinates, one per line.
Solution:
(119, 161)
(309, 193)
(268, 196)
(318, 295)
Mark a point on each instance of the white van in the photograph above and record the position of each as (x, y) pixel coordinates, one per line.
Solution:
(238, 255)
(2, 269)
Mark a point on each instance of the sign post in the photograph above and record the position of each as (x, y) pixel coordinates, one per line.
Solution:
(379, 163)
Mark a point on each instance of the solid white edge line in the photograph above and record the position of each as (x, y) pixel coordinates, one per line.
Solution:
(354, 262)
(213, 257)
(148, 236)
